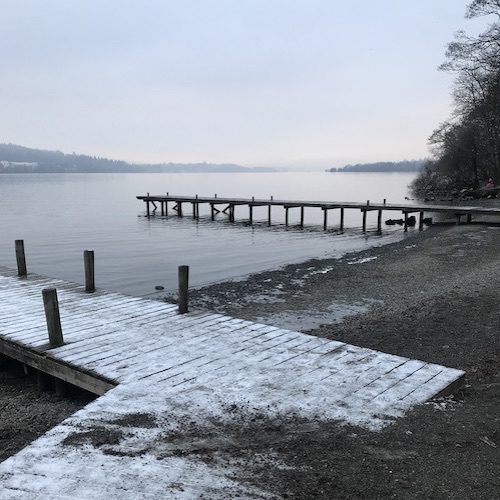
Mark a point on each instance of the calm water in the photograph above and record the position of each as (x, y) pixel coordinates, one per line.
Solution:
(59, 216)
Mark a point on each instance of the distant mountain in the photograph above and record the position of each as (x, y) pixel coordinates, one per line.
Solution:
(383, 166)
(19, 159)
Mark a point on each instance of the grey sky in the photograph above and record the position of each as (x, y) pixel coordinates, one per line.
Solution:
(310, 83)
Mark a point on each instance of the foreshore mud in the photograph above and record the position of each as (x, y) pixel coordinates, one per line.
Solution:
(433, 296)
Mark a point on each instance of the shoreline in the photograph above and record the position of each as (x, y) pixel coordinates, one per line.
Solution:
(432, 296)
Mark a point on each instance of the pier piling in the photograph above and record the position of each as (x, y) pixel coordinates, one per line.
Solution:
(183, 289)
(88, 260)
(21, 258)
(52, 316)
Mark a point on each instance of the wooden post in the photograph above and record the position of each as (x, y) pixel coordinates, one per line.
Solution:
(179, 209)
(325, 218)
(194, 210)
(384, 201)
(183, 289)
(250, 209)
(147, 206)
(379, 221)
(364, 221)
(166, 207)
(51, 306)
(231, 213)
(469, 218)
(406, 222)
(420, 221)
(269, 215)
(212, 210)
(342, 218)
(162, 204)
(302, 217)
(286, 216)
(42, 381)
(61, 387)
(21, 258)
(88, 261)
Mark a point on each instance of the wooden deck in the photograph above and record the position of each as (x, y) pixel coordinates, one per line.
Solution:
(172, 382)
(215, 202)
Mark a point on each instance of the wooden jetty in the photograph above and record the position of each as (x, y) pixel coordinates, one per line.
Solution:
(229, 204)
(172, 383)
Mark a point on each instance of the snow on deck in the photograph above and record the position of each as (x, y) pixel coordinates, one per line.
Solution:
(198, 381)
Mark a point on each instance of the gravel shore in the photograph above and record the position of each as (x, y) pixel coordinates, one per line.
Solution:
(432, 296)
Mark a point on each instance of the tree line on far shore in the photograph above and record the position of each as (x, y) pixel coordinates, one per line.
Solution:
(383, 166)
(19, 159)
(466, 147)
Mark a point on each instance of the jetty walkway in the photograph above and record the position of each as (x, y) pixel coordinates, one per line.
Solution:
(172, 385)
(215, 202)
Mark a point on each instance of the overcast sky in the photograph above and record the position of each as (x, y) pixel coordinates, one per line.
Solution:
(310, 83)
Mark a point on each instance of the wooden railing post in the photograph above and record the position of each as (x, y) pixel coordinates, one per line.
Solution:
(21, 258)
(88, 261)
(183, 289)
(51, 306)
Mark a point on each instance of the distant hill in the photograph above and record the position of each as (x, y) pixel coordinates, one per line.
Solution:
(383, 166)
(19, 159)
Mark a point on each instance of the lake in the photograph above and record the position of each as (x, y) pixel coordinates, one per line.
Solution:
(60, 215)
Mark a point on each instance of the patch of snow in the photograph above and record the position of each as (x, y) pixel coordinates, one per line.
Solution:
(362, 261)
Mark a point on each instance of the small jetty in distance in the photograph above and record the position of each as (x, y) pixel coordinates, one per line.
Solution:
(215, 203)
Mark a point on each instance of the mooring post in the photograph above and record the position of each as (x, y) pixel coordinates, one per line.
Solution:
(88, 261)
(342, 219)
(21, 258)
(52, 317)
(183, 289)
